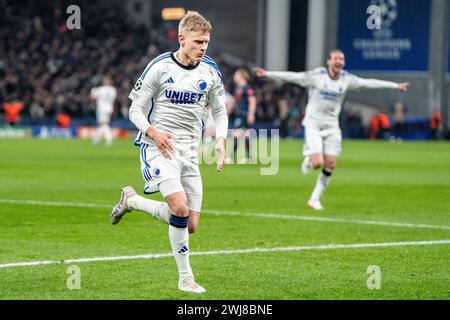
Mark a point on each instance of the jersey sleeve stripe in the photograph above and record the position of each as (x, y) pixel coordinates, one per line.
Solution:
(145, 170)
(165, 56)
(209, 59)
(151, 110)
(211, 62)
(137, 141)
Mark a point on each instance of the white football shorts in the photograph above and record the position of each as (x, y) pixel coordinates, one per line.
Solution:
(103, 117)
(181, 173)
(322, 139)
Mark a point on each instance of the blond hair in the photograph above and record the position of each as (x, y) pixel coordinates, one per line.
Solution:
(244, 73)
(194, 21)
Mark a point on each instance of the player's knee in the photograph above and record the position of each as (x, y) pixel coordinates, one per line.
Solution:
(180, 209)
(316, 164)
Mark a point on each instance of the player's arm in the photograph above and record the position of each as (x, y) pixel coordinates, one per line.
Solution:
(141, 95)
(361, 83)
(251, 107)
(303, 79)
(219, 113)
(230, 106)
(93, 94)
(115, 94)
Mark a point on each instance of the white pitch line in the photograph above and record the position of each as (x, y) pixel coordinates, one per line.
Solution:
(56, 203)
(237, 213)
(324, 219)
(238, 251)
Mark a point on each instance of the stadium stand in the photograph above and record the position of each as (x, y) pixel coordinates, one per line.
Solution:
(51, 69)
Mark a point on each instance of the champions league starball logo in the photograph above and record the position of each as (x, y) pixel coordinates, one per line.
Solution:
(382, 44)
(388, 11)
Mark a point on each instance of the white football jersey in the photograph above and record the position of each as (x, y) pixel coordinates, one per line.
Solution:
(172, 98)
(325, 95)
(105, 97)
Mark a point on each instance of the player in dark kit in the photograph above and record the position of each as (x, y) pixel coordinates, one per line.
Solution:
(244, 110)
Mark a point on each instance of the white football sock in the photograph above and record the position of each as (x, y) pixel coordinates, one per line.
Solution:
(108, 134)
(159, 210)
(179, 240)
(97, 136)
(321, 184)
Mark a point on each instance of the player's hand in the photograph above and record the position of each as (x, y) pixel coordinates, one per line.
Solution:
(220, 152)
(162, 141)
(403, 86)
(251, 119)
(260, 72)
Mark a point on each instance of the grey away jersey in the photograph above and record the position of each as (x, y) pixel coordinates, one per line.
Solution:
(325, 95)
(172, 97)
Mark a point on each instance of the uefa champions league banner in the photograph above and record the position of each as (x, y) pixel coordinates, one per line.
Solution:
(385, 34)
(45, 132)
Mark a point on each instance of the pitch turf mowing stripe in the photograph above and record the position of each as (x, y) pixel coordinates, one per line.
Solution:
(259, 215)
(238, 251)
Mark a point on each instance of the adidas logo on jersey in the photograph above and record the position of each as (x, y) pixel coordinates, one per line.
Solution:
(183, 97)
(170, 80)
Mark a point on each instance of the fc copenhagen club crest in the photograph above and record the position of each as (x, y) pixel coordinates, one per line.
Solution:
(201, 85)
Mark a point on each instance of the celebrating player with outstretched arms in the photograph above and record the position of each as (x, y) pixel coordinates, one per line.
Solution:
(327, 88)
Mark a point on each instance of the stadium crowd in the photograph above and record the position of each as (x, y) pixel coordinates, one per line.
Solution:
(47, 70)
(51, 69)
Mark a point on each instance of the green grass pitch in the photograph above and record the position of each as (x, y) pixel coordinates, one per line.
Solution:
(406, 183)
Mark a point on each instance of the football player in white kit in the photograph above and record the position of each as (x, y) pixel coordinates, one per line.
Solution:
(169, 100)
(327, 88)
(104, 97)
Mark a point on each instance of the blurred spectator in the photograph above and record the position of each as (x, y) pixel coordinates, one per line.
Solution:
(374, 127)
(295, 117)
(36, 111)
(385, 125)
(12, 111)
(283, 113)
(379, 126)
(435, 124)
(353, 124)
(63, 120)
(399, 120)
